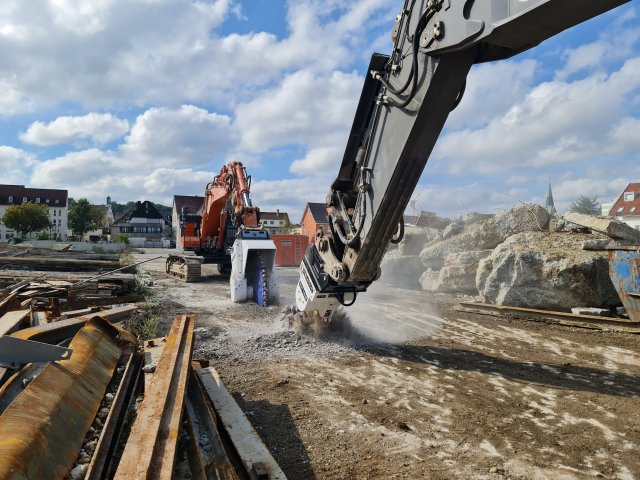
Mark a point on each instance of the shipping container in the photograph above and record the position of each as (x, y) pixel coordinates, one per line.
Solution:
(290, 249)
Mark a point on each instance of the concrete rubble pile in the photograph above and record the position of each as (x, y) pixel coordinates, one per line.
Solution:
(521, 257)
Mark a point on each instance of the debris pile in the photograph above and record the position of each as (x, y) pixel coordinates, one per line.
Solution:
(72, 380)
(521, 257)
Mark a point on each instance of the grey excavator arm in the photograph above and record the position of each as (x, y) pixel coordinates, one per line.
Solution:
(405, 101)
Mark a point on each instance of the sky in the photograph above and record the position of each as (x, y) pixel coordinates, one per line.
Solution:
(146, 99)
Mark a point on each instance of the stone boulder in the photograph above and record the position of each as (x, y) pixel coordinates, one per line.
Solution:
(451, 230)
(401, 271)
(487, 234)
(475, 217)
(546, 270)
(457, 275)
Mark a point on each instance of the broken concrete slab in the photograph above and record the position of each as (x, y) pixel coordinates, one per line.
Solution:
(402, 271)
(487, 234)
(548, 271)
(595, 244)
(414, 239)
(457, 275)
(608, 226)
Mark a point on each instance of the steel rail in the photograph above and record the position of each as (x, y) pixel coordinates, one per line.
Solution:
(151, 447)
(102, 462)
(561, 318)
(208, 458)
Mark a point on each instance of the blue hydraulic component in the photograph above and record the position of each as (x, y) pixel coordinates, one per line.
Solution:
(624, 270)
(260, 289)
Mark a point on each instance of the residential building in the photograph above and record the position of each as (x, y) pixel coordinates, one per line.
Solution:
(55, 200)
(104, 231)
(191, 204)
(275, 222)
(142, 224)
(627, 206)
(314, 216)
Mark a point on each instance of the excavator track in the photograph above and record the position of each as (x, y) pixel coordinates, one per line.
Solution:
(188, 268)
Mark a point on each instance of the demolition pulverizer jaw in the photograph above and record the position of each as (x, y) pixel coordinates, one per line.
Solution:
(309, 299)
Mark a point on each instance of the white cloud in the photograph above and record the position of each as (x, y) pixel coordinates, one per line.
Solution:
(14, 165)
(318, 162)
(306, 108)
(74, 169)
(185, 137)
(557, 122)
(100, 128)
(114, 52)
(288, 195)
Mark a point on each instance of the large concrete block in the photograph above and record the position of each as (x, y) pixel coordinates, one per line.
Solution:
(608, 226)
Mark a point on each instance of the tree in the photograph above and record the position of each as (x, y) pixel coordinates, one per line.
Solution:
(26, 218)
(585, 204)
(83, 218)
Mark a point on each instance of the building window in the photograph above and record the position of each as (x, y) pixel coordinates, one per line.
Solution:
(54, 212)
(46, 201)
(620, 210)
(10, 199)
(57, 201)
(633, 209)
(629, 196)
(37, 199)
(24, 199)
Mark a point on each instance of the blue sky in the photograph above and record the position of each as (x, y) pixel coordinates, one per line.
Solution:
(143, 100)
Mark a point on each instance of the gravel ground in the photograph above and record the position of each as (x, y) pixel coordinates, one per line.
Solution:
(405, 387)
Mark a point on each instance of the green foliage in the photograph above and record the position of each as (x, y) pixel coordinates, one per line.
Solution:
(26, 218)
(122, 238)
(146, 324)
(42, 236)
(119, 208)
(83, 218)
(98, 250)
(586, 205)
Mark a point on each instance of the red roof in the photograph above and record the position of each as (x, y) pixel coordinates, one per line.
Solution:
(627, 204)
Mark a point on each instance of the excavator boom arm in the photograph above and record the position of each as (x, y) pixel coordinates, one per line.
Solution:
(404, 105)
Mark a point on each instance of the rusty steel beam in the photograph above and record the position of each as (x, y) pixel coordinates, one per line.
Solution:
(103, 461)
(41, 432)
(208, 459)
(151, 447)
(561, 318)
(256, 458)
(95, 302)
(57, 331)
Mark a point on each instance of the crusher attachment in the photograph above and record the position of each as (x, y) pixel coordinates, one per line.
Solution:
(253, 273)
(187, 267)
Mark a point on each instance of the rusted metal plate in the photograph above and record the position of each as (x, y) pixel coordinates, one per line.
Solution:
(151, 448)
(624, 270)
(254, 454)
(41, 432)
(57, 331)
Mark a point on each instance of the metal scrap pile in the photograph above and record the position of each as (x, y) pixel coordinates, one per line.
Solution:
(81, 397)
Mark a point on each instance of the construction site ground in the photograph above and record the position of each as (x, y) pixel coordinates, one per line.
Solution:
(406, 387)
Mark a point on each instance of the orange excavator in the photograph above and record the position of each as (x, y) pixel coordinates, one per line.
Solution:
(228, 233)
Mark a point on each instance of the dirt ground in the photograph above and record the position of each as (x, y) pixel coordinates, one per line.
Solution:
(420, 390)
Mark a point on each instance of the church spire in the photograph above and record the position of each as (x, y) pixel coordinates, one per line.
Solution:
(551, 208)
